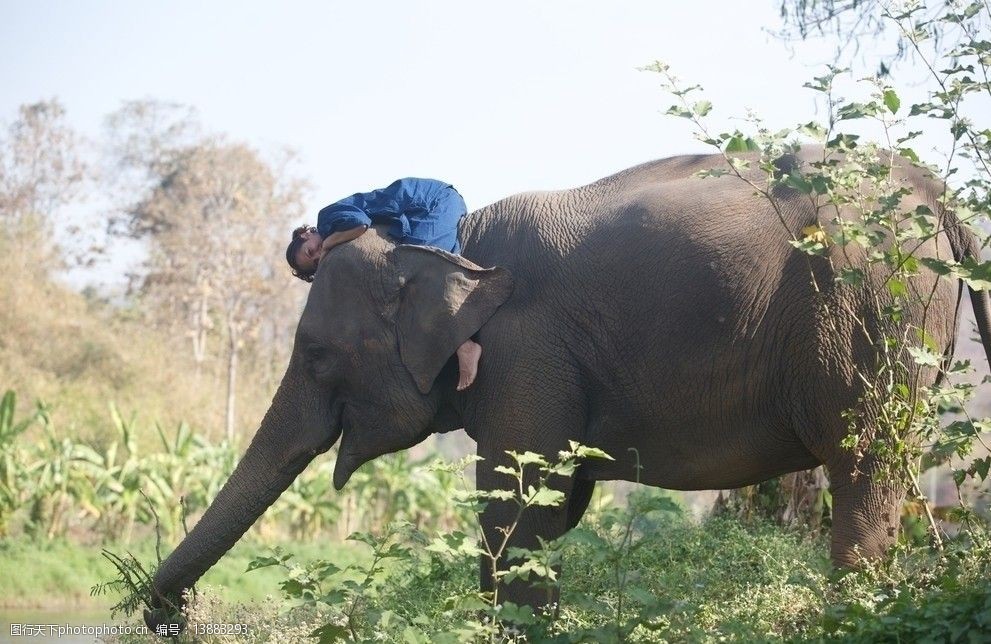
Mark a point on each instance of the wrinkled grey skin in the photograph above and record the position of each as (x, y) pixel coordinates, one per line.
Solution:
(651, 310)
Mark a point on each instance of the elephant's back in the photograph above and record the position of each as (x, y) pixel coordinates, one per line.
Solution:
(615, 254)
(709, 247)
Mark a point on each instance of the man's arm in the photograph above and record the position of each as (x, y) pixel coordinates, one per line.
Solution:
(340, 237)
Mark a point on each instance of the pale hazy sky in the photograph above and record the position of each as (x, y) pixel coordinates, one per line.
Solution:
(494, 97)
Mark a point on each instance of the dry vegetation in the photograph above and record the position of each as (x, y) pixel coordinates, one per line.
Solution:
(202, 329)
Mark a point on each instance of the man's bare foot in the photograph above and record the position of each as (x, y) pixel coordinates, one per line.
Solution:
(468, 355)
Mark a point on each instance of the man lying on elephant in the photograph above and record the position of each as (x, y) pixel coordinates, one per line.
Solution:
(423, 212)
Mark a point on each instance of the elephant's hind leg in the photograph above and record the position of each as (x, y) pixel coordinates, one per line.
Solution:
(866, 508)
(578, 500)
(866, 513)
(867, 494)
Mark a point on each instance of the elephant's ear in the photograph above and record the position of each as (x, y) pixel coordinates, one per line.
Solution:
(444, 300)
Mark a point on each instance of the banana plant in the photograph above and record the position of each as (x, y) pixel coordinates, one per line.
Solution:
(310, 504)
(61, 486)
(12, 476)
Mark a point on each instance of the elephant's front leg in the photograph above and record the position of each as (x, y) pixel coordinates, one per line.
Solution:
(507, 525)
(540, 407)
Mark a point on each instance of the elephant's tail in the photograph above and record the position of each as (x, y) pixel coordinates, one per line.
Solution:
(982, 313)
(965, 247)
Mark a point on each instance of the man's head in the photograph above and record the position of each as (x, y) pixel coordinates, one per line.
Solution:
(303, 252)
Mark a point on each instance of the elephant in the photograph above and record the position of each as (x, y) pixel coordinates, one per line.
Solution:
(655, 314)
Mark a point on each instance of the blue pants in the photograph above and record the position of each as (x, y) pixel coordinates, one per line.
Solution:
(423, 212)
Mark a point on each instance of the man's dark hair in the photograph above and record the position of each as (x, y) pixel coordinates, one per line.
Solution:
(293, 248)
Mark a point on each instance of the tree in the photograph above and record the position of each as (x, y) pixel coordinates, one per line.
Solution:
(803, 18)
(215, 216)
(40, 171)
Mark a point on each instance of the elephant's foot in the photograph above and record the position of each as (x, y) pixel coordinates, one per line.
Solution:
(866, 517)
(468, 355)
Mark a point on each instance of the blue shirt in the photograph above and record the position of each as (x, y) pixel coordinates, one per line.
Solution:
(424, 212)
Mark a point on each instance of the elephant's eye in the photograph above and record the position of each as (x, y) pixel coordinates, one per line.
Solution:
(318, 360)
(314, 353)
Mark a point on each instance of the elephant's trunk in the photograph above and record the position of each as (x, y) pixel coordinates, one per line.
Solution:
(292, 433)
(254, 485)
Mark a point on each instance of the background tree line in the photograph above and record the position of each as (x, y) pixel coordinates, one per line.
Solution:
(202, 326)
(203, 320)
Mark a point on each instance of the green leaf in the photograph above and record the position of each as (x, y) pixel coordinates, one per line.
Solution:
(897, 288)
(584, 451)
(981, 467)
(412, 635)
(813, 130)
(678, 110)
(739, 164)
(511, 612)
(959, 476)
(938, 266)
(545, 496)
(528, 458)
(714, 172)
(814, 240)
(292, 588)
(959, 128)
(843, 141)
(821, 183)
(977, 274)
(851, 276)
(366, 538)
(701, 108)
(740, 143)
(925, 356)
(564, 468)
(967, 428)
(497, 495)
(7, 406)
(892, 102)
(927, 340)
(798, 182)
(471, 601)
(855, 111)
(261, 562)
(530, 568)
(960, 367)
(264, 562)
(457, 543)
(909, 153)
(330, 633)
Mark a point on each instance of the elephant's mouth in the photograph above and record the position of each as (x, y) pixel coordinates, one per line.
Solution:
(364, 439)
(347, 460)
(328, 430)
(357, 439)
(337, 421)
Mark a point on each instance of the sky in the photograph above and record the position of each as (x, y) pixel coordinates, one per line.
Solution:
(495, 98)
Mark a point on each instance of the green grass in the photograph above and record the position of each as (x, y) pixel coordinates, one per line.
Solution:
(60, 573)
(723, 580)
(716, 580)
